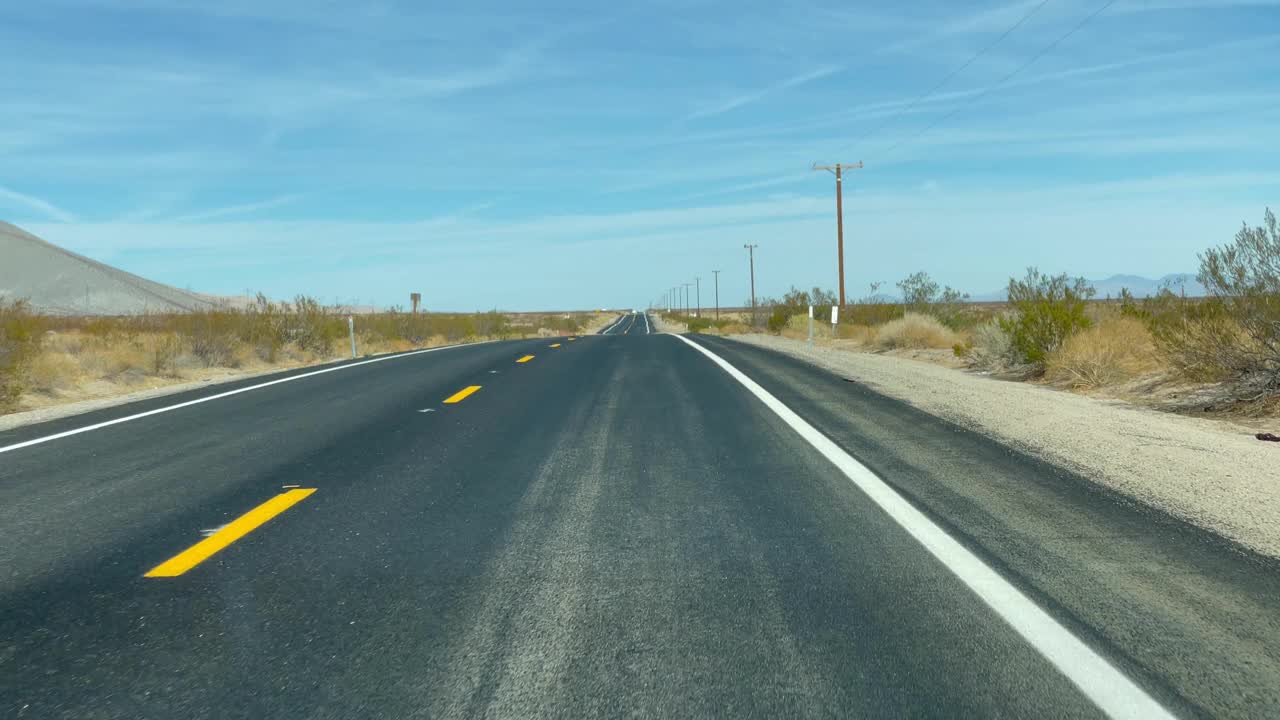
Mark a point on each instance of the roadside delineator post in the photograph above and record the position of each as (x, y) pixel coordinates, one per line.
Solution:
(835, 318)
(811, 326)
(351, 329)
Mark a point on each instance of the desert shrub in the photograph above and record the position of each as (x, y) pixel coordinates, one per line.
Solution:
(1233, 335)
(732, 327)
(115, 360)
(313, 328)
(778, 318)
(796, 302)
(492, 324)
(990, 347)
(20, 333)
(697, 324)
(51, 371)
(861, 334)
(1047, 310)
(1114, 350)
(210, 343)
(918, 291)
(920, 294)
(870, 313)
(165, 348)
(915, 331)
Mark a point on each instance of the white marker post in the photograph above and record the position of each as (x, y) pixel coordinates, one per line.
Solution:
(811, 326)
(835, 318)
(351, 329)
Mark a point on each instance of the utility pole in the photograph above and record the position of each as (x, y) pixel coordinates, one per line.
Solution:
(686, 298)
(839, 215)
(698, 285)
(751, 257)
(717, 274)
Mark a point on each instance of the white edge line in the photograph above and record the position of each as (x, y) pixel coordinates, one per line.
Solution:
(613, 325)
(1110, 689)
(229, 393)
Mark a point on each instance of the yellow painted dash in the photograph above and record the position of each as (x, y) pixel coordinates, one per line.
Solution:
(462, 394)
(555, 345)
(241, 526)
(526, 358)
(572, 339)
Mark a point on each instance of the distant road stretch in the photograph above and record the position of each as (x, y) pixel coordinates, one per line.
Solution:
(627, 523)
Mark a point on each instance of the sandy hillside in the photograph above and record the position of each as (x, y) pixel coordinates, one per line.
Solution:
(57, 281)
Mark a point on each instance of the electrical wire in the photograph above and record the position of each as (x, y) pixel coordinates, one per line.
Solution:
(951, 75)
(986, 91)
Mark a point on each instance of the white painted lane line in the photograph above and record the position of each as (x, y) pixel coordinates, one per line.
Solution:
(1113, 692)
(229, 393)
(613, 326)
(646, 324)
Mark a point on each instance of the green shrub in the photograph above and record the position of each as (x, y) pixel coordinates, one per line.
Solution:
(920, 294)
(1234, 334)
(1047, 311)
(20, 333)
(778, 318)
(697, 324)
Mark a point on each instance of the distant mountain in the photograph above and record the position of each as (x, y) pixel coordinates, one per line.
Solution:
(1180, 283)
(60, 282)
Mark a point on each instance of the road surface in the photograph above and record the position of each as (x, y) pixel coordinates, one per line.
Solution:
(609, 525)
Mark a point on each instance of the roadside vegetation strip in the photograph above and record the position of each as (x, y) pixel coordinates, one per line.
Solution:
(461, 395)
(229, 393)
(238, 528)
(1106, 686)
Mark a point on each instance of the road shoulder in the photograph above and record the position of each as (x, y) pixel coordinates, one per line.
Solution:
(1196, 470)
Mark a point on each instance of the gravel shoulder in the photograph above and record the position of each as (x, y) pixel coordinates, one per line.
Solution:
(1209, 473)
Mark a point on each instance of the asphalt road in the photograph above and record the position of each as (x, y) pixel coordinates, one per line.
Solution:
(615, 526)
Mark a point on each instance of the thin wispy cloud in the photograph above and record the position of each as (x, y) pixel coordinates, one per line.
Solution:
(40, 205)
(755, 96)
(237, 210)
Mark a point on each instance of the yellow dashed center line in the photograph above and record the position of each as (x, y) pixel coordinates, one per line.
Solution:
(526, 358)
(241, 526)
(555, 345)
(572, 339)
(462, 394)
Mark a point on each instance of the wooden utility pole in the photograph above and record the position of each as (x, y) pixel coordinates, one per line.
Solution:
(835, 169)
(751, 256)
(717, 274)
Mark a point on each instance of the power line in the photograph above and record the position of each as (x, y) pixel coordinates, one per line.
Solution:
(986, 91)
(951, 75)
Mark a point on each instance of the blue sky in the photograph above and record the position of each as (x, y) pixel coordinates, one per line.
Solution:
(556, 154)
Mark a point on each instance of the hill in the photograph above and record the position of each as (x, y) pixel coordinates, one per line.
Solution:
(60, 282)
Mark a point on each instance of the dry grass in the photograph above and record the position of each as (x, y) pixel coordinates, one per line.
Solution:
(864, 335)
(1113, 351)
(916, 332)
(48, 360)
